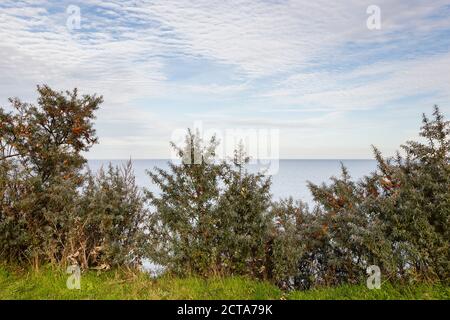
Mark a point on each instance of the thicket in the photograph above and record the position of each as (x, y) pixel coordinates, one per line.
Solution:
(396, 218)
(214, 217)
(211, 217)
(51, 209)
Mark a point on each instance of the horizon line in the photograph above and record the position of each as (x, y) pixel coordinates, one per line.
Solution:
(316, 159)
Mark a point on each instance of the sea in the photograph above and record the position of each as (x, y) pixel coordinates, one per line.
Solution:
(289, 176)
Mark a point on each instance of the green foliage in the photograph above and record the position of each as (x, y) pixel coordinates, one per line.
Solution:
(50, 210)
(291, 222)
(215, 217)
(388, 291)
(210, 217)
(110, 230)
(396, 218)
(244, 222)
(183, 234)
(47, 139)
(414, 202)
(50, 283)
(40, 148)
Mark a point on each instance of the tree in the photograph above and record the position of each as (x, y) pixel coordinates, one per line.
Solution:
(210, 216)
(40, 152)
(51, 210)
(348, 237)
(110, 229)
(397, 217)
(183, 223)
(414, 201)
(49, 138)
(245, 220)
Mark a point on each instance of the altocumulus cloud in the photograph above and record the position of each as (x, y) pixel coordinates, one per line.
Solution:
(307, 67)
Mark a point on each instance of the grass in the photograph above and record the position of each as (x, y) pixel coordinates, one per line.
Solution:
(50, 283)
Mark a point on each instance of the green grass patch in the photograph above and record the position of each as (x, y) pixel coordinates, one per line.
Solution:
(50, 283)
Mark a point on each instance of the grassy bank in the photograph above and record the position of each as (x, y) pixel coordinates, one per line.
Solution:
(50, 284)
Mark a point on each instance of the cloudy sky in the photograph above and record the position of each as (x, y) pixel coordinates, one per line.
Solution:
(312, 69)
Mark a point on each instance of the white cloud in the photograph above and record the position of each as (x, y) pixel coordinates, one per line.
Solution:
(273, 53)
(350, 90)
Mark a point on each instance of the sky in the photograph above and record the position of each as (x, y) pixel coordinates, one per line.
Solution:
(329, 78)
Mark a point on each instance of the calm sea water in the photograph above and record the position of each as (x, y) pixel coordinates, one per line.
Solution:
(290, 179)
